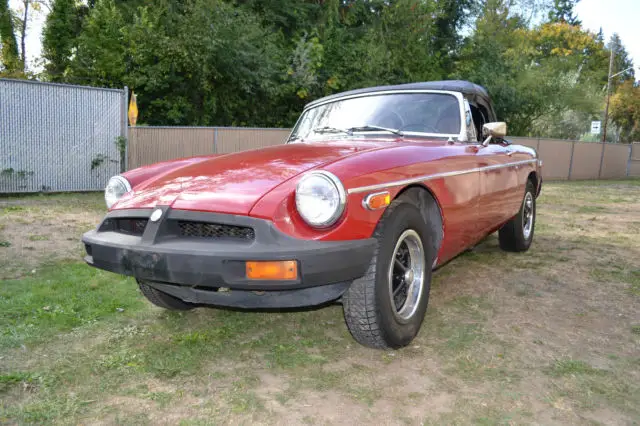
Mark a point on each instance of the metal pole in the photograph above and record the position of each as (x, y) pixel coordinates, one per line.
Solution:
(601, 160)
(215, 140)
(124, 156)
(573, 147)
(629, 159)
(606, 108)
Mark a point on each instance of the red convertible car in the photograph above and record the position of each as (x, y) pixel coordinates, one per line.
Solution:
(373, 190)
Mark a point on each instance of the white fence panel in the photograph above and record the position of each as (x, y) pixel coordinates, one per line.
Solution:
(56, 137)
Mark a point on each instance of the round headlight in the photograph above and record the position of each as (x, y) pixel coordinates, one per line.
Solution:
(320, 199)
(116, 188)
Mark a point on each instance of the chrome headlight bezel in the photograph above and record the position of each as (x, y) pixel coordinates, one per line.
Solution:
(115, 189)
(321, 177)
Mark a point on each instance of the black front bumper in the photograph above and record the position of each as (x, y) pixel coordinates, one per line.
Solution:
(195, 268)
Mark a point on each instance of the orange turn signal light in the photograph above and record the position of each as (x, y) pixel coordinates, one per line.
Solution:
(377, 201)
(278, 270)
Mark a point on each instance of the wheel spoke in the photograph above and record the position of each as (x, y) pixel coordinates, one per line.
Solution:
(400, 265)
(400, 287)
(406, 275)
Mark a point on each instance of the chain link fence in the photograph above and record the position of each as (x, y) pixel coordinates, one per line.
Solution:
(56, 137)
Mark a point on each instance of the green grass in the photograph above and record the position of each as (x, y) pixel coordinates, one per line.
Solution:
(58, 299)
(78, 345)
(619, 273)
(11, 379)
(12, 209)
(566, 367)
(590, 387)
(68, 200)
(592, 209)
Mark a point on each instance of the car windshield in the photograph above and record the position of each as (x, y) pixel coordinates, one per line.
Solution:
(393, 114)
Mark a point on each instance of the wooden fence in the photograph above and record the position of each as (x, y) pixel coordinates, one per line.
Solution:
(148, 145)
(562, 159)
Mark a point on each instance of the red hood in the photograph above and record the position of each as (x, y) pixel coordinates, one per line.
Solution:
(234, 183)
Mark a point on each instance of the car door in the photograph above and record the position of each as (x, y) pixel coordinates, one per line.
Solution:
(498, 179)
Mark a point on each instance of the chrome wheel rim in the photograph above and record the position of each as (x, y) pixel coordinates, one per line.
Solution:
(406, 275)
(527, 215)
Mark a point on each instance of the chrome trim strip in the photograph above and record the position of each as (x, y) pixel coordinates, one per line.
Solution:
(436, 176)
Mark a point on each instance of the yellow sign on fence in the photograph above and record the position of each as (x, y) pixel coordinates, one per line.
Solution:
(133, 110)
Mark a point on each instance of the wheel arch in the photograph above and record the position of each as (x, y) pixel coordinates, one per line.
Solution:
(429, 208)
(535, 180)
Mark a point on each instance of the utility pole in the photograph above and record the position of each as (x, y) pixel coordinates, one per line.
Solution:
(606, 108)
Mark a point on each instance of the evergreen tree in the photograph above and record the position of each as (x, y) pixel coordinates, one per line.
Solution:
(562, 11)
(621, 61)
(9, 58)
(59, 37)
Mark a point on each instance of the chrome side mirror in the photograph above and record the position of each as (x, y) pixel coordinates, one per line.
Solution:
(494, 130)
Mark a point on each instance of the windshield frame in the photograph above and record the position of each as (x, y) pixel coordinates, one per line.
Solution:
(462, 136)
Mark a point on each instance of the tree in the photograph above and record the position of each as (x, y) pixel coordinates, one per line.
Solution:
(562, 11)
(625, 111)
(24, 15)
(9, 58)
(257, 63)
(542, 79)
(101, 48)
(59, 37)
(621, 61)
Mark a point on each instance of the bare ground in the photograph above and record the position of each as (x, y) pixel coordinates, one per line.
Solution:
(551, 336)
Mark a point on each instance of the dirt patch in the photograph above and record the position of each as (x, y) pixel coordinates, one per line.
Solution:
(43, 230)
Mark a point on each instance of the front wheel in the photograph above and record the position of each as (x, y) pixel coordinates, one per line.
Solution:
(517, 234)
(163, 300)
(385, 308)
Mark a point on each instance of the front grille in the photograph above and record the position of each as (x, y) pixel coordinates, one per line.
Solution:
(215, 231)
(131, 226)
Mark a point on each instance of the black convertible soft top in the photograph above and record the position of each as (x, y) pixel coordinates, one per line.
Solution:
(472, 90)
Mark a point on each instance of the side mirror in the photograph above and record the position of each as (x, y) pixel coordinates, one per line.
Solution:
(494, 131)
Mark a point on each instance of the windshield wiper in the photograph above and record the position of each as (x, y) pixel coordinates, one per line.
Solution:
(327, 129)
(370, 128)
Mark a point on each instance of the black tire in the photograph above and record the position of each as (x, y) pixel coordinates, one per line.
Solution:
(163, 300)
(367, 303)
(512, 235)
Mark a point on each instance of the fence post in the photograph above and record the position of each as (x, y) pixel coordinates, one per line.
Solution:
(629, 159)
(573, 147)
(124, 156)
(601, 160)
(215, 140)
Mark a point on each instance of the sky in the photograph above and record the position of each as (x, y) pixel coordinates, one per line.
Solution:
(621, 16)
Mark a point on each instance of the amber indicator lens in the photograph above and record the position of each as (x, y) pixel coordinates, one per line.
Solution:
(283, 270)
(377, 201)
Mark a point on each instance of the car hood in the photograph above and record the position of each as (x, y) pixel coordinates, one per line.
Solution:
(233, 183)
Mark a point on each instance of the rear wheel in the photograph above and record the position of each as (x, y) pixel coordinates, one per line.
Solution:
(163, 300)
(386, 307)
(517, 234)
